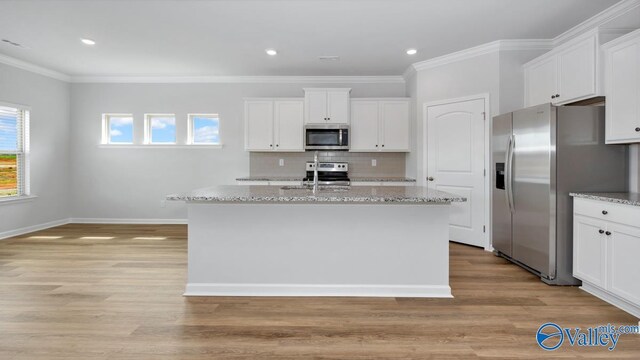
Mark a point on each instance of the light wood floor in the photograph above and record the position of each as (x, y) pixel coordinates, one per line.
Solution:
(121, 298)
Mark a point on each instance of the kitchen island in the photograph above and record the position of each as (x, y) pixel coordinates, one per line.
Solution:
(288, 241)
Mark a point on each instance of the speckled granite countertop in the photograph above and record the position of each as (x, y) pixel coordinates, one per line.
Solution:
(354, 194)
(299, 178)
(627, 198)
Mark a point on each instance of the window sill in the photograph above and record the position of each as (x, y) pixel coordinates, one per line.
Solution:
(16, 199)
(159, 146)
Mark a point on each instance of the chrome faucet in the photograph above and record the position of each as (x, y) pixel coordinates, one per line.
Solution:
(315, 172)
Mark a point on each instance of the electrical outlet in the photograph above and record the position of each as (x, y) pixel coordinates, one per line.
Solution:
(281, 162)
(374, 162)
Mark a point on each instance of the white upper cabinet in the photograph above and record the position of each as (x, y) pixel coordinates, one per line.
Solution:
(379, 125)
(326, 106)
(258, 116)
(568, 73)
(622, 89)
(274, 125)
(577, 70)
(288, 121)
(541, 80)
(364, 125)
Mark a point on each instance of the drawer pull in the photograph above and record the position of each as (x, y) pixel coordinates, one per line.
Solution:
(601, 231)
(608, 233)
(638, 129)
(604, 212)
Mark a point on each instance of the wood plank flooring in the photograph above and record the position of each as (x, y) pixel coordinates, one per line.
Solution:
(115, 292)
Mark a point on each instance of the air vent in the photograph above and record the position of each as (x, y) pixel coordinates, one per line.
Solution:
(329, 58)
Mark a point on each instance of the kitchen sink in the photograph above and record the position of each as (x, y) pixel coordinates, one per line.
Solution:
(320, 188)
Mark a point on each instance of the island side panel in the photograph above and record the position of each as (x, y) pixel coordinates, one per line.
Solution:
(264, 249)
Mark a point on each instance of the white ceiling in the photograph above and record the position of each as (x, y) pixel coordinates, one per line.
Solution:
(192, 38)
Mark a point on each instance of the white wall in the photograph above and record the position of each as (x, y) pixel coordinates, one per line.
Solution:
(131, 183)
(49, 103)
(498, 74)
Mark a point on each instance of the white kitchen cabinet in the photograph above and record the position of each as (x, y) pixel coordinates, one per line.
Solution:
(274, 125)
(568, 73)
(379, 125)
(589, 249)
(606, 245)
(541, 79)
(326, 106)
(622, 89)
(383, 183)
(623, 271)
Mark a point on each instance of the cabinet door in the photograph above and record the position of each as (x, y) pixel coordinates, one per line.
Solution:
(258, 125)
(622, 89)
(578, 72)
(623, 270)
(364, 126)
(589, 250)
(394, 126)
(541, 82)
(315, 107)
(289, 120)
(338, 107)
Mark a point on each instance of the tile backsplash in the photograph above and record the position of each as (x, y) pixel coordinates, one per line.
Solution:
(388, 164)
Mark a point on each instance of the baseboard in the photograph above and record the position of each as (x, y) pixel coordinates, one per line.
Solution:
(611, 299)
(29, 229)
(418, 291)
(125, 221)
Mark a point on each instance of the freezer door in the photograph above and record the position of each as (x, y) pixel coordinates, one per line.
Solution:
(533, 167)
(500, 214)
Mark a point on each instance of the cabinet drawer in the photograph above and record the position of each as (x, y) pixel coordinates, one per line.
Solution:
(620, 213)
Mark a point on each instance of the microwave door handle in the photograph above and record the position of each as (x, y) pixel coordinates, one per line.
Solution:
(340, 137)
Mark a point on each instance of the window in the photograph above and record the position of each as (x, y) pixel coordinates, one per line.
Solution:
(204, 129)
(160, 129)
(117, 129)
(14, 152)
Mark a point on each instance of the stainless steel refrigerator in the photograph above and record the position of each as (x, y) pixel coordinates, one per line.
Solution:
(539, 155)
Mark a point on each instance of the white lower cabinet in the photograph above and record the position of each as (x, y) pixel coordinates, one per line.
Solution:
(589, 249)
(267, 182)
(606, 247)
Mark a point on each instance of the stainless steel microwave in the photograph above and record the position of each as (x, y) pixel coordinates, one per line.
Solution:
(326, 137)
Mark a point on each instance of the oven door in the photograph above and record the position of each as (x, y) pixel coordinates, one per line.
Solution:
(326, 139)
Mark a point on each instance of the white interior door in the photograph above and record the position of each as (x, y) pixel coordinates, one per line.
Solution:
(455, 163)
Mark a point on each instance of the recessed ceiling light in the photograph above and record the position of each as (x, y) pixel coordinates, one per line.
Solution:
(412, 51)
(271, 52)
(88, 41)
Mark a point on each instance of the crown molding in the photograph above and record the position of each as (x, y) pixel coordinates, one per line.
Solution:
(241, 79)
(491, 47)
(20, 64)
(597, 20)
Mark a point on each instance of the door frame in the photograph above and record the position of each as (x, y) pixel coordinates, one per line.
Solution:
(487, 154)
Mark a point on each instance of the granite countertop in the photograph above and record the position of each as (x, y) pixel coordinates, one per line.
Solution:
(627, 198)
(299, 178)
(353, 194)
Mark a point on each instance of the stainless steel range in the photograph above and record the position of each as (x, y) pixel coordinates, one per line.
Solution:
(329, 173)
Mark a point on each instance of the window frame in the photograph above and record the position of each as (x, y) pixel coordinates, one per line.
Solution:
(106, 129)
(23, 158)
(147, 129)
(191, 130)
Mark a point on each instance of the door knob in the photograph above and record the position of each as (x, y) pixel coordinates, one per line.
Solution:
(601, 231)
(553, 96)
(557, 95)
(604, 212)
(430, 178)
(608, 233)
(638, 129)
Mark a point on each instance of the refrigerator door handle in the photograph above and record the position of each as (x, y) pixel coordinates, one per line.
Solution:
(509, 173)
